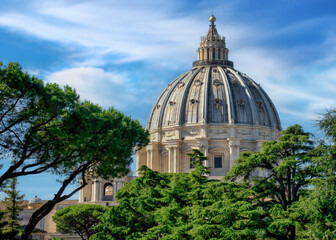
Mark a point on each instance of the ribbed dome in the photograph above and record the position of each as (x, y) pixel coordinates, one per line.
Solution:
(214, 108)
(35, 200)
(213, 95)
(213, 92)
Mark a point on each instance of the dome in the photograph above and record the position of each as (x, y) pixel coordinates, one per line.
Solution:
(212, 107)
(213, 94)
(35, 200)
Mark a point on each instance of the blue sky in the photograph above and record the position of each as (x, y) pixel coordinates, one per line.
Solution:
(123, 53)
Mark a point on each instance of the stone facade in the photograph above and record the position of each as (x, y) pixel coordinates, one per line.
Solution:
(101, 191)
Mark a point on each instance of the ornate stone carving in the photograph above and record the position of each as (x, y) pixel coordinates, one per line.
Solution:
(235, 82)
(241, 102)
(262, 133)
(180, 84)
(198, 82)
(218, 131)
(218, 101)
(244, 132)
(217, 82)
(169, 134)
(172, 103)
(193, 101)
(194, 131)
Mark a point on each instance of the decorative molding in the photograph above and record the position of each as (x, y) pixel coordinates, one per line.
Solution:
(217, 82)
(193, 101)
(180, 84)
(194, 131)
(241, 102)
(244, 132)
(198, 82)
(169, 134)
(218, 131)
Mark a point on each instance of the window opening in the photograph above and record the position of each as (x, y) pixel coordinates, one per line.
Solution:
(108, 189)
(218, 162)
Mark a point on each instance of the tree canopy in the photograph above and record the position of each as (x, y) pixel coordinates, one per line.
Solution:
(258, 199)
(29, 114)
(80, 219)
(47, 128)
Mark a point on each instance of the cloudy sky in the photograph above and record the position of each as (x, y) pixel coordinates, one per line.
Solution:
(123, 53)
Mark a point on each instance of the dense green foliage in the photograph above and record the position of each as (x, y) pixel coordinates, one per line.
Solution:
(286, 191)
(29, 115)
(13, 206)
(181, 206)
(279, 174)
(80, 219)
(317, 211)
(47, 128)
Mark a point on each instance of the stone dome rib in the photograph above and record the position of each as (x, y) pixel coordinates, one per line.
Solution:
(212, 107)
(202, 96)
(213, 92)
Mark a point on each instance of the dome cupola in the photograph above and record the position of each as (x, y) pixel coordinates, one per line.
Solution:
(212, 107)
(212, 50)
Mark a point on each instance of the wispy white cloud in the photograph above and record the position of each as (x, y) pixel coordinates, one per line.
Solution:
(94, 84)
(152, 32)
(107, 88)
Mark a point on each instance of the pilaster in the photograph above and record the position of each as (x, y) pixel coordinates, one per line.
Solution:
(234, 145)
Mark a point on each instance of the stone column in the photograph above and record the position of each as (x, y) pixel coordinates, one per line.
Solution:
(210, 54)
(234, 145)
(175, 167)
(81, 195)
(95, 194)
(170, 158)
(203, 145)
(216, 54)
(222, 53)
(115, 185)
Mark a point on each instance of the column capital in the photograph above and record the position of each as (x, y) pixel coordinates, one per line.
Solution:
(234, 142)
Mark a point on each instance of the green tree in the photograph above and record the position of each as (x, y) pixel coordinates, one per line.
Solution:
(200, 171)
(317, 211)
(13, 206)
(80, 219)
(285, 168)
(176, 206)
(97, 143)
(29, 113)
(47, 129)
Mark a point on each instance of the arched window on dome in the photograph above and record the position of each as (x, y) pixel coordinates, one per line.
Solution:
(108, 192)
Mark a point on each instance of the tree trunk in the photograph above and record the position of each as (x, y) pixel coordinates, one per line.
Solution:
(48, 206)
(292, 233)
